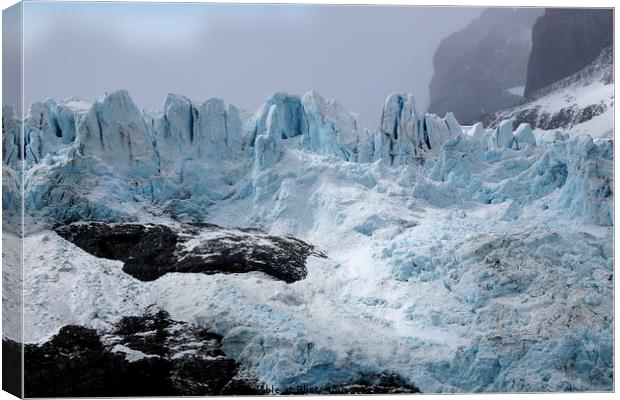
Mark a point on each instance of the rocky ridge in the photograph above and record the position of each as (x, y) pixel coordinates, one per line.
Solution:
(147, 355)
(568, 102)
(153, 355)
(564, 41)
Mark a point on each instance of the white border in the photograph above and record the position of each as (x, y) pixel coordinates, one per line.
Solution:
(484, 3)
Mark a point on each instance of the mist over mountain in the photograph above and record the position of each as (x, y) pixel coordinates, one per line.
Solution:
(482, 68)
(565, 41)
(569, 75)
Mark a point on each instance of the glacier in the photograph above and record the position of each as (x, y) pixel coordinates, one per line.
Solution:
(462, 258)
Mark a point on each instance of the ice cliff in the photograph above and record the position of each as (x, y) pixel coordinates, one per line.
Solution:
(203, 150)
(211, 151)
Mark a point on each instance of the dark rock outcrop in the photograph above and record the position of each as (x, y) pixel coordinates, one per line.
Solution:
(562, 118)
(12, 367)
(149, 355)
(568, 113)
(153, 355)
(565, 41)
(476, 67)
(385, 382)
(150, 251)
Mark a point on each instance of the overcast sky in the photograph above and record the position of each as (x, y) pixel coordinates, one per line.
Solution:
(356, 55)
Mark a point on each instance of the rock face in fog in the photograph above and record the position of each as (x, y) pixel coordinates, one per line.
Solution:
(585, 97)
(565, 41)
(482, 68)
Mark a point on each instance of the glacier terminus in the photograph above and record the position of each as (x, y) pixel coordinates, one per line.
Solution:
(422, 254)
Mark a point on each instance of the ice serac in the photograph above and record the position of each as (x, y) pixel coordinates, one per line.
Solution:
(288, 111)
(201, 146)
(505, 138)
(281, 117)
(76, 187)
(11, 176)
(503, 134)
(399, 136)
(453, 125)
(267, 145)
(332, 130)
(10, 137)
(589, 188)
(324, 126)
(403, 135)
(65, 118)
(478, 132)
(217, 157)
(216, 130)
(174, 129)
(42, 134)
(437, 130)
(524, 136)
(114, 131)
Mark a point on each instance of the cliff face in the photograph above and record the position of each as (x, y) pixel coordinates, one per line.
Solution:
(582, 103)
(482, 68)
(565, 41)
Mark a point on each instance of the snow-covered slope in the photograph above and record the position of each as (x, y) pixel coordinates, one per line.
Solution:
(460, 258)
(582, 103)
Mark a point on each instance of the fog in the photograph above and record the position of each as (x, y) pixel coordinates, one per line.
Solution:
(356, 55)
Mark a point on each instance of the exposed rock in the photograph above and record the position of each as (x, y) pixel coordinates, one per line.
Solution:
(150, 251)
(559, 105)
(148, 355)
(11, 367)
(153, 355)
(382, 383)
(565, 41)
(480, 68)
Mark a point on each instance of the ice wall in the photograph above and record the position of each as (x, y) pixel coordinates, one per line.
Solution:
(195, 154)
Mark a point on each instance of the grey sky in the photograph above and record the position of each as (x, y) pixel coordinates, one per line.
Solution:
(356, 55)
